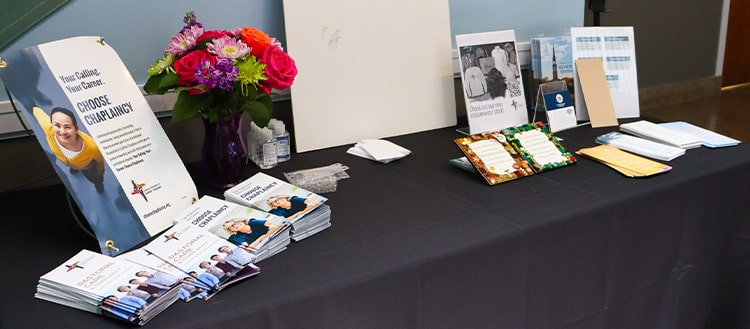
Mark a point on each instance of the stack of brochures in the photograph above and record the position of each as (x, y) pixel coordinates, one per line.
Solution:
(313, 222)
(708, 138)
(189, 288)
(108, 286)
(203, 257)
(640, 146)
(304, 210)
(660, 134)
(258, 232)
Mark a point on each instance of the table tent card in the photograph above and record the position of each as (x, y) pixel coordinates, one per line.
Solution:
(616, 48)
(101, 136)
(491, 80)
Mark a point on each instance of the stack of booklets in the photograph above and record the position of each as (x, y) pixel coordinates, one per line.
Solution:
(257, 232)
(105, 285)
(641, 146)
(660, 134)
(304, 210)
(708, 138)
(514, 152)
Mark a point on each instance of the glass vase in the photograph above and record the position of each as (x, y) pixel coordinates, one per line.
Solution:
(224, 157)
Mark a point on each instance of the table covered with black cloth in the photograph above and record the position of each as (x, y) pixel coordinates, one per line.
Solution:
(418, 243)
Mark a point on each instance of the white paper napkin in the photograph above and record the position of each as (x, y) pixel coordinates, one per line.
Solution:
(378, 150)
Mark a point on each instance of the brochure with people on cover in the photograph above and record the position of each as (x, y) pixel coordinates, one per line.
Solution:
(101, 137)
(255, 231)
(305, 210)
(195, 252)
(108, 286)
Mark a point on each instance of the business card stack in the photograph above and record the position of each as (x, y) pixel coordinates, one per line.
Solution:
(107, 286)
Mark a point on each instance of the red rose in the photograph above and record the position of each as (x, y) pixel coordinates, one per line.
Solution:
(280, 68)
(213, 34)
(186, 65)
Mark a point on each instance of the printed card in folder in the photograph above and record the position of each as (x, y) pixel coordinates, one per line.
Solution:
(514, 152)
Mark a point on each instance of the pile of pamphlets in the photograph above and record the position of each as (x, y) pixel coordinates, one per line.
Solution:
(255, 231)
(109, 286)
(304, 210)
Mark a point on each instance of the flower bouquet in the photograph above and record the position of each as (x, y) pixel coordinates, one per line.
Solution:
(221, 72)
(219, 75)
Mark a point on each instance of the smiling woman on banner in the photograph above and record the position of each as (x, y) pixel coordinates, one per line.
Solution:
(72, 147)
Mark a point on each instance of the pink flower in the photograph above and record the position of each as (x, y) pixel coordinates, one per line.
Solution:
(280, 68)
(186, 66)
(184, 41)
(227, 47)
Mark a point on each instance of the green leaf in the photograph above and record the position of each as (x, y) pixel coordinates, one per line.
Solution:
(152, 85)
(259, 112)
(169, 80)
(187, 106)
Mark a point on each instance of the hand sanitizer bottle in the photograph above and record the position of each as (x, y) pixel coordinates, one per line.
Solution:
(283, 152)
(266, 150)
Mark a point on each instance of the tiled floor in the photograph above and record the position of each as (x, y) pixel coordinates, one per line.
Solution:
(728, 113)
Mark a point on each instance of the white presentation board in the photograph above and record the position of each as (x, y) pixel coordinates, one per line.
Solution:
(367, 70)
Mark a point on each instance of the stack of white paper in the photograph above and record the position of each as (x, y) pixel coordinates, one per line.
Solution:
(709, 138)
(657, 133)
(640, 146)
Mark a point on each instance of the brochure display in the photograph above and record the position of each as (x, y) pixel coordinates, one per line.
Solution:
(552, 61)
(616, 48)
(491, 79)
(102, 138)
(514, 152)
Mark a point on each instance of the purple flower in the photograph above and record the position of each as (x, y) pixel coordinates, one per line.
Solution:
(222, 76)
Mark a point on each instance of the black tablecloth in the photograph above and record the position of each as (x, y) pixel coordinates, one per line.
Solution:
(418, 243)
